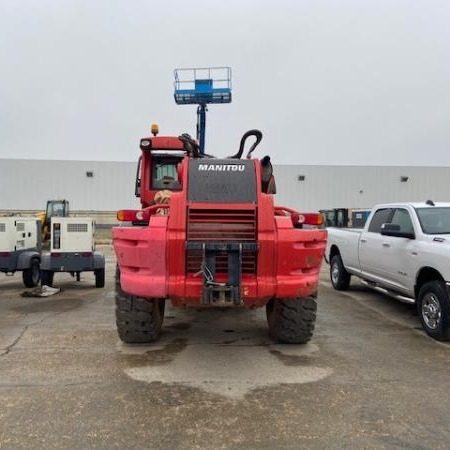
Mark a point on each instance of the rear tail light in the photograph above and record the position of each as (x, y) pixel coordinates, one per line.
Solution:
(132, 215)
(4, 253)
(56, 255)
(298, 218)
(86, 254)
(140, 215)
(311, 219)
(295, 217)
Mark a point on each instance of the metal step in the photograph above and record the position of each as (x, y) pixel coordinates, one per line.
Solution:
(392, 294)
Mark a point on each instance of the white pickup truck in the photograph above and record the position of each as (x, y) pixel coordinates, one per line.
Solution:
(403, 251)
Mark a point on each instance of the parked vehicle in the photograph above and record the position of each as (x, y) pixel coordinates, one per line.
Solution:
(55, 208)
(209, 235)
(20, 244)
(402, 251)
(221, 243)
(72, 250)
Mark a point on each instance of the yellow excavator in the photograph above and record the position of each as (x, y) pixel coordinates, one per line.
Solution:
(55, 208)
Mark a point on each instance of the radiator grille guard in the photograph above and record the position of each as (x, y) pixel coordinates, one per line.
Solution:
(221, 225)
(209, 225)
(221, 245)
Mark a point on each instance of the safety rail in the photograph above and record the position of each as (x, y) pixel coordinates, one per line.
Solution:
(202, 85)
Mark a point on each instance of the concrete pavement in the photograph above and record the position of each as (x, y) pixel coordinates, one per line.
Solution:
(370, 378)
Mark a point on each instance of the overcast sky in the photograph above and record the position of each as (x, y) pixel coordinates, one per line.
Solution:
(326, 81)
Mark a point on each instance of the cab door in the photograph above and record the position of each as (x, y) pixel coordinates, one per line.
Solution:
(400, 252)
(372, 251)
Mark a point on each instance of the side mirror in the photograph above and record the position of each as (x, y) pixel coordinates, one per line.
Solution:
(137, 185)
(137, 188)
(390, 229)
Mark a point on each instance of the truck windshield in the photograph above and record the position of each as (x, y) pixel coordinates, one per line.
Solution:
(435, 220)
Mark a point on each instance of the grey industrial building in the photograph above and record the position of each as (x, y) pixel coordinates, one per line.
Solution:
(109, 186)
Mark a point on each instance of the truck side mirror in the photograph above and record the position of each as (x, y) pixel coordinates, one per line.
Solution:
(391, 229)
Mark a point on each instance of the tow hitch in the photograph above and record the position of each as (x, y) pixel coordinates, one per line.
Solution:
(218, 292)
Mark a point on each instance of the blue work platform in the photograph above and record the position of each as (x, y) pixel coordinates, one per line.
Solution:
(202, 86)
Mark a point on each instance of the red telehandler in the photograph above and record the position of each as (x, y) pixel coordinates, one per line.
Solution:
(218, 240)
(208, 233)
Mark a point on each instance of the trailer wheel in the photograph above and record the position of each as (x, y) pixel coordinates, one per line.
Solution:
(47, 278)
(434, 310)
(292, 321)
(138, 319)
(340, 278)
(32, 275)
(100, 278)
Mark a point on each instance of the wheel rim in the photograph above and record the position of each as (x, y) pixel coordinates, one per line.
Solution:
(334, 273)
(431, 311)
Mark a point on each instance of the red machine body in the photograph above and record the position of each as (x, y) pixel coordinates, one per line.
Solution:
(239, 250)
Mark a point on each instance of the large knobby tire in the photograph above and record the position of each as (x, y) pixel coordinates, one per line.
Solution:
(100, 278)
(434, 310)
(340, 278)
(32, 275)
(292, 321)
(138, 320)
(47, 278)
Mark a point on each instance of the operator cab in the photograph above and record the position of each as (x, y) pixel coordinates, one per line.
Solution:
(157, 168)
(165, 172)
(57, 208)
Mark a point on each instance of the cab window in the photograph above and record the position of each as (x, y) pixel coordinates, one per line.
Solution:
(402, 218)
(165, 174)
(381, 216)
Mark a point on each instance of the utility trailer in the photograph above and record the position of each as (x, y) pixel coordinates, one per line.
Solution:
(20, 244)
(72, 250)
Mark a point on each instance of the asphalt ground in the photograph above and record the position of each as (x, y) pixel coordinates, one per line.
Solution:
(370, 377)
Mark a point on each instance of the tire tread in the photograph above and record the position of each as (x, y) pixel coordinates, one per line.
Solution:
(442, 333)
(292, 321)
(343, 281)
(27, 274)
(138, 319)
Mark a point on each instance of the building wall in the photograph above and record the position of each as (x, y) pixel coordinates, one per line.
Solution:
(327, 187)
(28, 184)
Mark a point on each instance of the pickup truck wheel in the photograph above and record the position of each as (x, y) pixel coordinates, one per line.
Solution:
(32, 275)
(434, 310)
(47, 278)
(340, 278)
(138, 319)
(292, 321)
